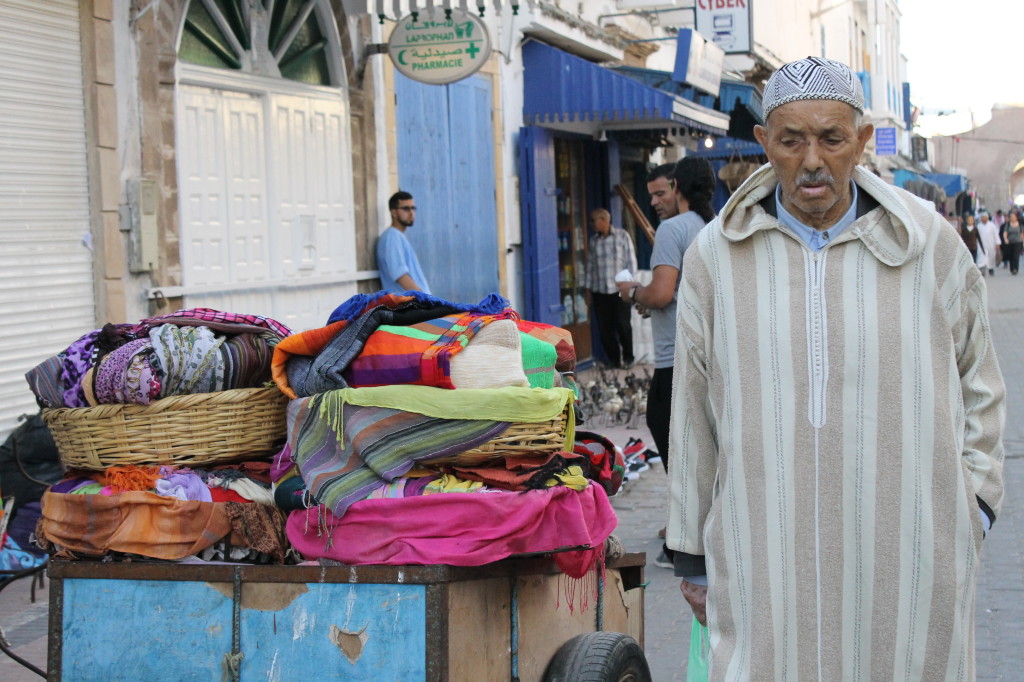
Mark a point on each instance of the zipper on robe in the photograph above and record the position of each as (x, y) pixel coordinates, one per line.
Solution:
(817, 367)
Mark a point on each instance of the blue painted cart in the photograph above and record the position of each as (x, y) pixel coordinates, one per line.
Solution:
(512, 620)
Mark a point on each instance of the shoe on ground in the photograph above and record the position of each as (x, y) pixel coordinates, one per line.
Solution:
(636, 465)
(991, 271)
(663, 561)
(652, 457)
(634, 446)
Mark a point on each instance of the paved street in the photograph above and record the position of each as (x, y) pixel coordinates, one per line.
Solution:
(1000, 605)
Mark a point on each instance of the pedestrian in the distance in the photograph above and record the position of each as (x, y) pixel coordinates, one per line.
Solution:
(1000, 221)
(396, 259)
(836, 448)
(969, 233)
(611, 252)
(1012, 236)
(988, 236)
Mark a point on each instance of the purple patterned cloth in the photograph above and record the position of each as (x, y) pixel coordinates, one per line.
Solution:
(125, 376)
(84, 353)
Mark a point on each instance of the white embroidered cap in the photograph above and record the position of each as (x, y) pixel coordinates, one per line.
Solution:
(813, 78)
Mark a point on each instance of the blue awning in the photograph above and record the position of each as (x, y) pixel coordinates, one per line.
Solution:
(740, 100)
(560, 88)
(951, 184)
(948, 183)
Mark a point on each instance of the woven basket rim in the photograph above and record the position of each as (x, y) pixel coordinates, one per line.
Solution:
(174, 402)
(189, 430)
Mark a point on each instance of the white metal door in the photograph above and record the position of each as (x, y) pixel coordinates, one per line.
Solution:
(266, 203)
(46, 278)
(223, 186)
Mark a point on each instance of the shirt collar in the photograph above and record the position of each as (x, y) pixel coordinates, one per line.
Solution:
(816, 240)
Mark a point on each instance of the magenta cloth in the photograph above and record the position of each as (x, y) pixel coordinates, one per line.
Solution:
(459, 530)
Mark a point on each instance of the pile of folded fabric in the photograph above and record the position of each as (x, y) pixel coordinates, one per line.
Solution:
(402, 437)
(150, 508)
(189, 351)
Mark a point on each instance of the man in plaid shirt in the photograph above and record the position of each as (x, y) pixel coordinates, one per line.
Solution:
(611, 251)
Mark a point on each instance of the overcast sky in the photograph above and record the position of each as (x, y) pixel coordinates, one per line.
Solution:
(963, 55)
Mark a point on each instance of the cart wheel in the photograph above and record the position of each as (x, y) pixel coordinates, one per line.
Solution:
(599, 657)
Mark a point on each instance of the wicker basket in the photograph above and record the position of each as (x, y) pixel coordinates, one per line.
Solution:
(520, 439)
(187, 430)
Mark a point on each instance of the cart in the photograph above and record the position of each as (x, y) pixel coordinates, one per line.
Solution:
(517, 619)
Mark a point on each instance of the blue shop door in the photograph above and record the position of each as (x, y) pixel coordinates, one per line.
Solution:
(538, 196)
(446, 160)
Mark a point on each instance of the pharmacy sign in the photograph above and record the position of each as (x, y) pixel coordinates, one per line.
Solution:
(439, 48)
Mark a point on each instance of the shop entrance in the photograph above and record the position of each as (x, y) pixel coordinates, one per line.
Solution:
(570, 182)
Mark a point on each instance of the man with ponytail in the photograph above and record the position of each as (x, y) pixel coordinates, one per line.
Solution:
(693, 183)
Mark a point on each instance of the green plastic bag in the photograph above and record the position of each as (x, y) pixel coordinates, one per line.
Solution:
(697, 666)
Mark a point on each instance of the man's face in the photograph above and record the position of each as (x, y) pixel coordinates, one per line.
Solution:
(663, 199)
(814, 145)
(405, 214)
(602, 224)
(970, 220)
(984, 218)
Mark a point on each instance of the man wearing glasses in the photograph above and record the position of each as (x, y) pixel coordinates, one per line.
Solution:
(396, 260)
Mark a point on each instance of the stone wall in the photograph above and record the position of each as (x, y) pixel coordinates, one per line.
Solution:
(988, 154)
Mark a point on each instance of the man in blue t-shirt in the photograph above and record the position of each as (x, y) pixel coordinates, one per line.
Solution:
(396, 260)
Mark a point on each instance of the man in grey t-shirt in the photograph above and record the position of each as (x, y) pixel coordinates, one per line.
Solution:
(692, 182)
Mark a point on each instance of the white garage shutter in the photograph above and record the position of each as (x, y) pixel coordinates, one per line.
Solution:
(46, 280)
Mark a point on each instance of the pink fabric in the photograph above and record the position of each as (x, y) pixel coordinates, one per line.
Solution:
(469, 529)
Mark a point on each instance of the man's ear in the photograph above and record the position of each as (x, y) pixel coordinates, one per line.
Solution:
(761, 134)
(864, 134)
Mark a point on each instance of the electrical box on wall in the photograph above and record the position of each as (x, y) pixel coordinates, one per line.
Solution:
(142, 214)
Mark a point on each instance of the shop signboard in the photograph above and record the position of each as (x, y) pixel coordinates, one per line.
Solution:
(885, 141)
(726, 23)
(439, 48)
(698, 62)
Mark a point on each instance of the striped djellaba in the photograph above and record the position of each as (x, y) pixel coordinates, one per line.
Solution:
(836, 441)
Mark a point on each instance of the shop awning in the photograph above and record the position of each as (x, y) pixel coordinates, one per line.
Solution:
(564, 91)
(919, 184)
(740, 100)
(951, 184)
(396, 9)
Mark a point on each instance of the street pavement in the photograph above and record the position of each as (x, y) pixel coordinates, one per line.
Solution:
(641, 511)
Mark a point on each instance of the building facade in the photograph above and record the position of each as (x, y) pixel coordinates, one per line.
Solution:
(239, 154)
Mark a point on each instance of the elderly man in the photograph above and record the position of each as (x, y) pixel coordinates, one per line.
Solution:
(611, 251)
(836, 451)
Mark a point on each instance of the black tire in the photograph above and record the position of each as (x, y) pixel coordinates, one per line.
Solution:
(599, 657)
